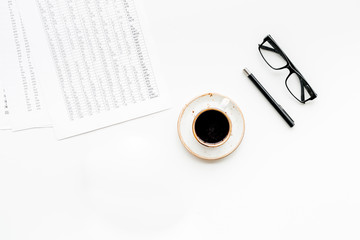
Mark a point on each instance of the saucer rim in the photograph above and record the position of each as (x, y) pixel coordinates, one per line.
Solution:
(188, 148)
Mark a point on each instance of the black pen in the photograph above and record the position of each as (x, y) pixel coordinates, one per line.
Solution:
(267, 95)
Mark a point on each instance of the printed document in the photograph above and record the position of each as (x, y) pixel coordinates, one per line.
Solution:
(92, 62)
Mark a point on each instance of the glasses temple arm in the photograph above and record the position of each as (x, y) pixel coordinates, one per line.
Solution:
(268, 48)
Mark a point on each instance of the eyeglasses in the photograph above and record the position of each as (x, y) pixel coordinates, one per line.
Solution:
(277, 60)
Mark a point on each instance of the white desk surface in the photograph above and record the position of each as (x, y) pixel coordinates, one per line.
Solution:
(136, 181)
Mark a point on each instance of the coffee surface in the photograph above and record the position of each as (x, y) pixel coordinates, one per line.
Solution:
(212, 126)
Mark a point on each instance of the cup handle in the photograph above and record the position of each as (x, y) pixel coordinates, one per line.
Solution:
(225, 103)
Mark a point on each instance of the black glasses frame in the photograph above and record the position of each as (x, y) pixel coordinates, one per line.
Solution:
(291, 67)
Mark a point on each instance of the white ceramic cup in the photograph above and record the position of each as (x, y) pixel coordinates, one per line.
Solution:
(191, 112)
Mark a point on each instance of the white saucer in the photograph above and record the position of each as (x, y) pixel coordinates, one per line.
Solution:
(210, 101)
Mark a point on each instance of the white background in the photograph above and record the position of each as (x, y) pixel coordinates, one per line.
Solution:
(136, 181)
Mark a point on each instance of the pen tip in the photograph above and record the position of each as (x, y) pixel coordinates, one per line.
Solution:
(247, 72)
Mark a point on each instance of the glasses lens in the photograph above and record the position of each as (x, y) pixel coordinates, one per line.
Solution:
(295, 84)
(271, 56)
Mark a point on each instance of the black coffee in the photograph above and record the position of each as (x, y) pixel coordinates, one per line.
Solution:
(212, 126)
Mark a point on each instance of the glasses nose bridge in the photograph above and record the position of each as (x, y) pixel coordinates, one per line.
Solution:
(291, 70)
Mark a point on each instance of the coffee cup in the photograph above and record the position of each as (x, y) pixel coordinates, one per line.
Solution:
(212, 126)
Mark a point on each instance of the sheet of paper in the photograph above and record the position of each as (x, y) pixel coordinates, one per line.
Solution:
(18, 73)
(96, 69)
(4, 105)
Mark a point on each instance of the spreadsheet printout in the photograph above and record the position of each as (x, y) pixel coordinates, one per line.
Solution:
(19, 76)
(96, 68)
